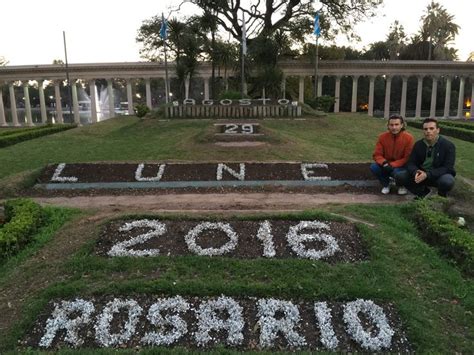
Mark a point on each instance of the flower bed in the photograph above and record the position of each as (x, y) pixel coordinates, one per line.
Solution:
(316, 240)
(169, 172)
(241, 323)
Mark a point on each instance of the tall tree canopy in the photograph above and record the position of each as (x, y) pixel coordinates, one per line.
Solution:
(438, 29)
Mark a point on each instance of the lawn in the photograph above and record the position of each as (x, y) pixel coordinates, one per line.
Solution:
(336, 138)
(433, 298)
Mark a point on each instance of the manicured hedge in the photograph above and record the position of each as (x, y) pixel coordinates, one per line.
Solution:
(449, 130)
(441, 231)
(459, 124)
(27, 134)
(23, 217)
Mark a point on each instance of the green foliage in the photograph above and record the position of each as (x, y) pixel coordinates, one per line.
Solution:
(141, 110)
(17, 136)
(322, 103)
(441, 231)
(464, 132)
(23, 217)
(231, 95)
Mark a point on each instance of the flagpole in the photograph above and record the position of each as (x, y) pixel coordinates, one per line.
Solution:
(316, 69)
(167, 88)
(244, 50)
(67, 75)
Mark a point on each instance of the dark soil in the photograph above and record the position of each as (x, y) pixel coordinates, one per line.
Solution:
(88, 172)
(307, 327)
(172, 243)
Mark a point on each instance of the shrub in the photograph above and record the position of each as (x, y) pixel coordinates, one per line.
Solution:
(449, 130)
(27, 134)
(232, 95)
(322, 103)
(23, 217)
(141, 110)
(439, 230)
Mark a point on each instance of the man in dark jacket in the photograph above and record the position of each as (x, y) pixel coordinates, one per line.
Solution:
(431, 163)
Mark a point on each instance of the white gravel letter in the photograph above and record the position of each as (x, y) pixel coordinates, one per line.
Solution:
(190, 239)
(324, 318)
(265, 235)
(238, 175)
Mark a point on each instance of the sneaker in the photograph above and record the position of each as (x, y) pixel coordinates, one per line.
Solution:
(402, 191)
(385, 190)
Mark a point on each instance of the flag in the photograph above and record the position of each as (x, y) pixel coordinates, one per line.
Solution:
(164, 28)
(244, 36)
(317, 28)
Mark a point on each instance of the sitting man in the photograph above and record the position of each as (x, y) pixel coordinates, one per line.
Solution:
(431, 163)
(391, 153)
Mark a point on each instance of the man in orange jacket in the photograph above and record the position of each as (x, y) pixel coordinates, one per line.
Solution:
(391, 153)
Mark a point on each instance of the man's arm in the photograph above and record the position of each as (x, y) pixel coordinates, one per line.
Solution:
(378, 152)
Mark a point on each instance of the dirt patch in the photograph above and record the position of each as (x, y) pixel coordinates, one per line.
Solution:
(307, 327)
(172, 242)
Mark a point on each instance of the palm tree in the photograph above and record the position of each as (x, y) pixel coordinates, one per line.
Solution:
(438, 27)
(471, 57)
(3, 61)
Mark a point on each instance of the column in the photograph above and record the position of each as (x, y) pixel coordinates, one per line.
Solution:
(388, 88)
(93, 96)
(403, 102)
(148, 92)
(110, 93)
(301, 89)
(44, 115)
(130, 97)
(3, 120)
(186, 87)
(319, 91)
(283, 87)
(471, 112)
(461, 97)
(59, 108)
(11, 89)
(447, 98)
(28, 116)
(355, 79)
(206, 88)
(419, 93)
(370, 110)
(75, 102)
(337, 93)
(434, 94)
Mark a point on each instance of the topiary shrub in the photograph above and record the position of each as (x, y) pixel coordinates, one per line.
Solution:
(322, 103)
(23, 217)
(439, 230)
(141, 110)
(232, 95)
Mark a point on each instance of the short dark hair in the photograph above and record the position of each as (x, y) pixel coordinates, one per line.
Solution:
(431, 119)
(397, 117)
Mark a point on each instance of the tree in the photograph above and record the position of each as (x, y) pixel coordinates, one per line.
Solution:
(264, 19)
(396, 40)
(471, 57)
(438, 29)
(3, 61)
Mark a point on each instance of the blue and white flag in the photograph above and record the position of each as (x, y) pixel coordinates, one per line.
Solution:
(317, 27)
(164, 28)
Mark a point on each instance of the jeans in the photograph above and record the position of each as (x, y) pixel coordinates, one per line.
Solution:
(444, 184)
(383, 177)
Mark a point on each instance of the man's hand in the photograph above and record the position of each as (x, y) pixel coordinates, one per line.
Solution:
(420, 176)
(387, 168)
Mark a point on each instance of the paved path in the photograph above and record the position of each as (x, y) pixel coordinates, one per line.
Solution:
(218, 202)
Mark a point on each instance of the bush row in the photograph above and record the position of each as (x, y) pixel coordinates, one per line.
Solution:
(23, 217)
(24, 135)
(441, 231)
(453, 131)
(459, 124)
(10, 131)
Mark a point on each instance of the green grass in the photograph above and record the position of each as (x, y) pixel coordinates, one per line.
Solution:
(336, 138)
(433, 299)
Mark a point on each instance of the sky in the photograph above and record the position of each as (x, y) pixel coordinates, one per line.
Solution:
(105, 31)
